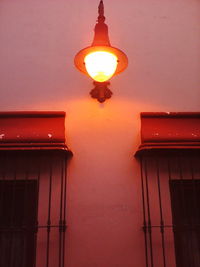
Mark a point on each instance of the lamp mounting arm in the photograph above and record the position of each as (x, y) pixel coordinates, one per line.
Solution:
(101, 91)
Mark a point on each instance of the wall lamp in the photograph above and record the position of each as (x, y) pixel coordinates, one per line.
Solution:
(101, 61)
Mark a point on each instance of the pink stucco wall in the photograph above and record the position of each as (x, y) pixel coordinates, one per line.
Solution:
(38, 41)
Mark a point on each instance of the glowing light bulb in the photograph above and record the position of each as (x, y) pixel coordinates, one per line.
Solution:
(101, 65)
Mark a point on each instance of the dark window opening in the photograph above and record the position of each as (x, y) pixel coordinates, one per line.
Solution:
(185, 201)
(18, 219)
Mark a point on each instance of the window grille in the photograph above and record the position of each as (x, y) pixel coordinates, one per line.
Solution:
(33, 190)
(170, 186)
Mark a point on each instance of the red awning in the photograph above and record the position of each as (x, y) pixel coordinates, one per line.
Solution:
(33, 131)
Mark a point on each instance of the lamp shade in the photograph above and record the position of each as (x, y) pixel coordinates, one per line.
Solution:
(121, 60)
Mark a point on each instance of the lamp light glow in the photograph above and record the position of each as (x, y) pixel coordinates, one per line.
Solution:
(101, 65)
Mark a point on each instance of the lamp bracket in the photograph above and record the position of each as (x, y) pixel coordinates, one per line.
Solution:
(101, 92)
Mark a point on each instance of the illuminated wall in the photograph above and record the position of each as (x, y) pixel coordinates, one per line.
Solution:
(38, 42)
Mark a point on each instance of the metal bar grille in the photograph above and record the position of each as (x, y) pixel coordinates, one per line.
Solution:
(170, 187)
(32, 208)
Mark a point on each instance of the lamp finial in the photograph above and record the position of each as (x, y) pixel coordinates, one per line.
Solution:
(101, 12)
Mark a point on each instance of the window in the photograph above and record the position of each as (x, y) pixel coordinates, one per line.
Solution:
(33, 189)
(170, 183)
